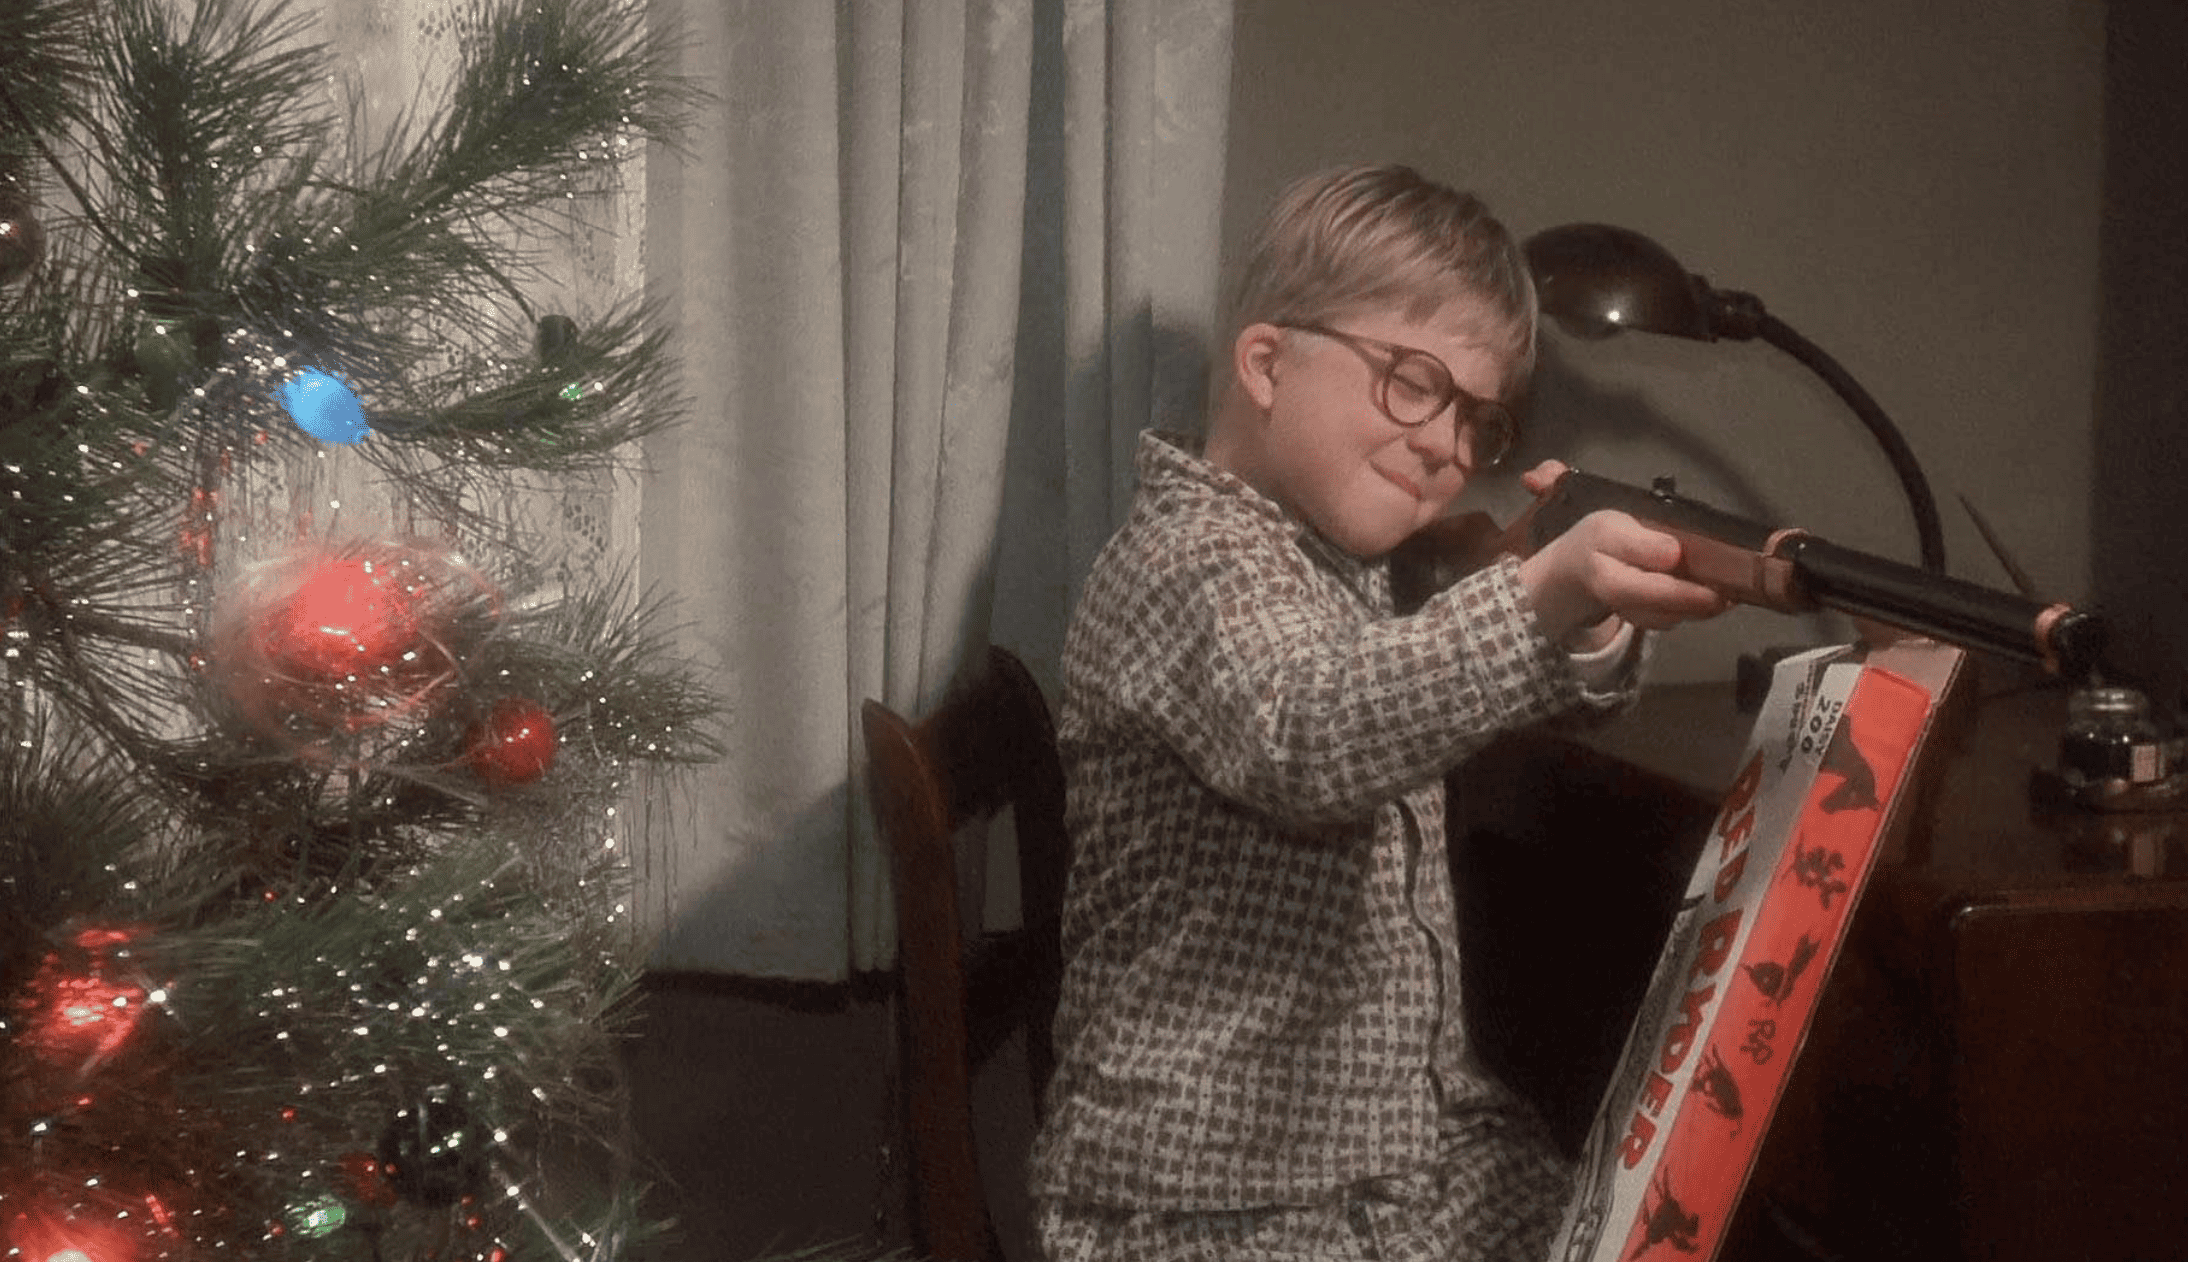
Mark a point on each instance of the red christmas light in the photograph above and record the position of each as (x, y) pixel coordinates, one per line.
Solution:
(49, 1236)
(160, 1213)
(74, 1008)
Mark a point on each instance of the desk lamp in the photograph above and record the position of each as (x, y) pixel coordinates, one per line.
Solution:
(1595, 280)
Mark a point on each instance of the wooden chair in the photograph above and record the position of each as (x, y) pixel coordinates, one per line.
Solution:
(989, 744)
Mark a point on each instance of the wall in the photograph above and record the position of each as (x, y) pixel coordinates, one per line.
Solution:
(1915, 188)
(2141, 517)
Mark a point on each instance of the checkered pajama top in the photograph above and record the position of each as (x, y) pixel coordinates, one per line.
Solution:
(1260, 1002)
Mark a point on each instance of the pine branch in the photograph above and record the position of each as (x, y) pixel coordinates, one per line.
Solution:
(72, 823)
(45, 69)
(333, 910)
(573, 411)
(198, 111)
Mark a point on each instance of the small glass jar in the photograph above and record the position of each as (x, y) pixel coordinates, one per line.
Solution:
(2111, 736)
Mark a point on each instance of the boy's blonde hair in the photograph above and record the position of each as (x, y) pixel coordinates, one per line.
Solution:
(1385, 236)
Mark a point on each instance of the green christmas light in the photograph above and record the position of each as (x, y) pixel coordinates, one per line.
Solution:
(314, 1219)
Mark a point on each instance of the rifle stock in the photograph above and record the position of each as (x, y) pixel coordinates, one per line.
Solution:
(1788, 570)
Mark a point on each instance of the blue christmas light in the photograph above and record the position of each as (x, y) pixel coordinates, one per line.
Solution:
(321, 405)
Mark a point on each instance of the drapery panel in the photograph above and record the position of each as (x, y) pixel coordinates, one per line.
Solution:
(933, 264)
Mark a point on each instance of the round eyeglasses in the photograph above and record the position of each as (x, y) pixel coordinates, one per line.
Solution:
(1413, 387)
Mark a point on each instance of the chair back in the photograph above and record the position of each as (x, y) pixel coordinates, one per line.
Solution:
(990, 744)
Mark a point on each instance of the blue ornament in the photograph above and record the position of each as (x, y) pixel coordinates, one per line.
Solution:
(321, 405)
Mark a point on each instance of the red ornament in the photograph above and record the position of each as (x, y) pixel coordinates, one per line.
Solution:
(368, 1180)
(349, 616)
(514, 745)
(344, 655)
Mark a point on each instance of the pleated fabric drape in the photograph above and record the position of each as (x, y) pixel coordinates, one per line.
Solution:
(933, 265)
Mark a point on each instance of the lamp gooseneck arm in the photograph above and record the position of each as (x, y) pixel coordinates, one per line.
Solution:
(1927, 528)
(1600, 279)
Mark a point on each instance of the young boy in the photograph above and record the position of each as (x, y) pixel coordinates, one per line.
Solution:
(1260, 1045)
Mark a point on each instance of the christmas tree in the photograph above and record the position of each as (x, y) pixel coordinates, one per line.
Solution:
(318, 760)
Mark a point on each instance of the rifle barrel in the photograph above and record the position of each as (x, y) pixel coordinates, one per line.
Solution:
(2064, 639)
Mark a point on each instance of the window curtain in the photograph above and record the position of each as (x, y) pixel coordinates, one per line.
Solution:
(933, 265)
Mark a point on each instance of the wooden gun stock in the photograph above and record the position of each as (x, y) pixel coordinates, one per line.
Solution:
(1788, 570)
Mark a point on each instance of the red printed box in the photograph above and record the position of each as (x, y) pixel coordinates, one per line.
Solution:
(1821, 780)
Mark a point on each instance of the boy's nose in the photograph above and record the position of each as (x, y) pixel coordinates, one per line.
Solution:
(1436, 442)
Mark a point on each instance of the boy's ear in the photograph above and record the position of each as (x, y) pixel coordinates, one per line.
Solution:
(1253, 362)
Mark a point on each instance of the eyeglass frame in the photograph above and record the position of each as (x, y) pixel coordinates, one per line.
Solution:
(1467, 407)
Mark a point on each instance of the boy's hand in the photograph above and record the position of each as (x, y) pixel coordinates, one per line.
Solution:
(1608, 563)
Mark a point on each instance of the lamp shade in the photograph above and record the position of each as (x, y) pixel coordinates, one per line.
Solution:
(1595, 279)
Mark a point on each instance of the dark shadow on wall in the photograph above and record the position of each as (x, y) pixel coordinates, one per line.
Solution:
(2139, 516)
(1569, 411)
(761, 1113)
(768, 1116)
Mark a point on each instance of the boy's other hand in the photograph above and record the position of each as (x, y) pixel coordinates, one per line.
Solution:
(1609, 563)
(1542, 477)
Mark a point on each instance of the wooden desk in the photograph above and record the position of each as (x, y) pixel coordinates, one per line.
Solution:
(1999, 1067)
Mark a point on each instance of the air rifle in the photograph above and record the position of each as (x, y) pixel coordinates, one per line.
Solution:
(1786, 569)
